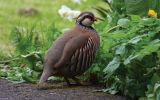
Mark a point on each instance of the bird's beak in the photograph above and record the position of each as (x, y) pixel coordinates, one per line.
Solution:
(97, 18)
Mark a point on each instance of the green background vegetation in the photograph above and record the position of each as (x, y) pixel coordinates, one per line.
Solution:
(48, 14)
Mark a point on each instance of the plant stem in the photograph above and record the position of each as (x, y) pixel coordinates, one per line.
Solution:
(113, 28)
(7, 61)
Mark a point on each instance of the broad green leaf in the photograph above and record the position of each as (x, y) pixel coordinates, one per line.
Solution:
(112, 66)
(156, 41)
(129, 59)
(136, 39)
(135, 18)
(106, 43)
(150, 97)
(157, 87)
(123, 21)
(149, 22)
(121, 50)
(118, 35)
(155, 94)
(152, 47)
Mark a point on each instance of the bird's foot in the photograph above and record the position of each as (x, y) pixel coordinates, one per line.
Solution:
(42, 86)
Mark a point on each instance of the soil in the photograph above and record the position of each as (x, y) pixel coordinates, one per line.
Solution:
(24, 91)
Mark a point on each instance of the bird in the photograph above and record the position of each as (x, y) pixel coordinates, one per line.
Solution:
(72, 53)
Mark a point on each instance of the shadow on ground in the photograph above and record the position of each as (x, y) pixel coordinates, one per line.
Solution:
(10, 91)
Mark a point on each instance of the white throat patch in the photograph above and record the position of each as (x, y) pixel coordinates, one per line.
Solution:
(87, 22)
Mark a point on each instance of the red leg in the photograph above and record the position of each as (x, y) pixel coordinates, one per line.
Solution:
(42, 82)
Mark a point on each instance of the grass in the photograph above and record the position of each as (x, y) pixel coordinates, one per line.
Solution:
(48, 13)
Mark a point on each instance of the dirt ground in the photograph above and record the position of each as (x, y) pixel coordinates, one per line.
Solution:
(23, 91)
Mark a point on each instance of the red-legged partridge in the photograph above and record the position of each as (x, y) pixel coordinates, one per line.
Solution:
(73, 53)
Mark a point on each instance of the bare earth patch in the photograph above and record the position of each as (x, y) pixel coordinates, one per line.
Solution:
(10, 91)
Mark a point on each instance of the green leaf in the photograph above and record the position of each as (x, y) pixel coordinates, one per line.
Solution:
(135, 18)
(121, 50)
(29, 79)
(112, 66)
(148, 49)
(129, 59)
(112, 90)
(157, 87)
(123, 21)
(155, 79)
(149, 21)
(118, 35)
(136, 39)
(95, 68)
(106, 44)
(155, 93)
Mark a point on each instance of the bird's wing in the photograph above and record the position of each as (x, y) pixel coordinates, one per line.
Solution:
(74, 44)
(54, 53)
(83, 57)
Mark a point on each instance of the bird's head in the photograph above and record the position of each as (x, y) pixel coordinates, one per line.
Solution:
(86, 19)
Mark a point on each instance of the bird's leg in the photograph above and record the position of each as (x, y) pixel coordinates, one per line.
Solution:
(67, 80)
(42, 82)
(80, 83)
